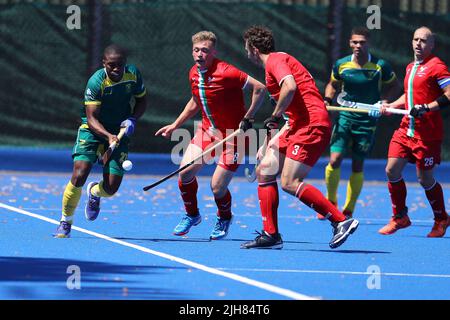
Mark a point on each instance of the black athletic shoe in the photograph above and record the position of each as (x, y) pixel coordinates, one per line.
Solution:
(341, 231)
(264, 240)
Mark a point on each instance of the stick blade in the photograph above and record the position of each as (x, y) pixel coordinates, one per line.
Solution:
(150, 186)
(340, 98)
(251, 176)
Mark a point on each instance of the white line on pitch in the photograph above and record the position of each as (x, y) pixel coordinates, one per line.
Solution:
(214, 214)
(265, 286)
(392, 274)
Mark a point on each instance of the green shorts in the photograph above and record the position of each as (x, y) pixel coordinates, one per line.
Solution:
(90, 148)
(347, 133)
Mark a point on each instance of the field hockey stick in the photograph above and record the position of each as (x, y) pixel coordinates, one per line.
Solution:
(207, 151)
(364, 106)
(251, 176)
(112, 146)
(342, 109)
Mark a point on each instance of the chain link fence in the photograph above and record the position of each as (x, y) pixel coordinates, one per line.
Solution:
(46, 65)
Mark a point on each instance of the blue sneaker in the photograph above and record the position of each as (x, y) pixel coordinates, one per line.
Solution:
(92, 208)
(220, 228)
(341, 231)
(63, 230)
(185, 224)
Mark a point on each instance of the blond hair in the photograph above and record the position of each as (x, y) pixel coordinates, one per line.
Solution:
(204, 36)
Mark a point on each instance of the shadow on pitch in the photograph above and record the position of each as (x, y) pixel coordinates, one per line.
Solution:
(200, 240)
(342, 251)
(24, 277)
(166, 239)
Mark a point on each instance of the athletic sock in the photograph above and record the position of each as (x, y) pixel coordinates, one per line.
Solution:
(332, 177)
(189, 195)
(224, 206)
(268, 202)
(397, 191)
(436, 198)
(99, 191)
(313, 198)
(70, 200)
(354, 187)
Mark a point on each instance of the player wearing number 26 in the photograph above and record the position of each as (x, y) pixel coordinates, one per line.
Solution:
(300, 144)
(419, 138)
(107, 108)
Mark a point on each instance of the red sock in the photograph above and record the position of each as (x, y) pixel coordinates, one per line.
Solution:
(224, 206)
(397, 190)
(313, 198)
(268, 202)
(189, 195)
(436, 198)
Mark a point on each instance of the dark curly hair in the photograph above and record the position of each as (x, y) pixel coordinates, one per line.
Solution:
(261, 38)
(361, 31)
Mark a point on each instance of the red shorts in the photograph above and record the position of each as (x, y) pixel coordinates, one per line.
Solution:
(230, 155)
(425, 154)
(305, 145)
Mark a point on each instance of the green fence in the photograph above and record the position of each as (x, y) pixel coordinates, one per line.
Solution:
(45, 65)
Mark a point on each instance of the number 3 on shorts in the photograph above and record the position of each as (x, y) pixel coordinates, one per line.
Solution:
(296, 148)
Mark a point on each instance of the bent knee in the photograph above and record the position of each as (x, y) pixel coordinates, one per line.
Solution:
(290, 185)
(218, 189)
(392, 173)
(426, 182)
(335, 162)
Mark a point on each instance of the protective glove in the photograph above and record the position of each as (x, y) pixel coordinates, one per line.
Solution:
(419, 110)
(374, 113)
(271, 123)
(246, 124)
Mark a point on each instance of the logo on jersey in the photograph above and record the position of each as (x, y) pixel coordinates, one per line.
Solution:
(371, 74)
(89, 95)
(422, 71)
(128, 88)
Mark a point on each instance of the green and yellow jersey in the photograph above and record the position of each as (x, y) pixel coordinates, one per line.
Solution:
(362, 84)
(113, 97)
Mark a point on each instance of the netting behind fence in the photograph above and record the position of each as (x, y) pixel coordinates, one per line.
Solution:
(45, 65)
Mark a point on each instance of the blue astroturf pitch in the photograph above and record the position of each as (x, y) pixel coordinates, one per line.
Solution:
(129, 252)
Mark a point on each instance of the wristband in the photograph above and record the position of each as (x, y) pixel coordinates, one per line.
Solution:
(329, 100)
(443, 102)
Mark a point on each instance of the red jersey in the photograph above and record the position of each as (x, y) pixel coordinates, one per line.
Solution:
(218, 91)
(307, 107)
(424, 82)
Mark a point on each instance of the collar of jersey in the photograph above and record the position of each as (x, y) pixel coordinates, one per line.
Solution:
(424, 60)
(111, 80)
(369, 59)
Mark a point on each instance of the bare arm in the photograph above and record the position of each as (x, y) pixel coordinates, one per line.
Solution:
(330, 90)
(92, 114)
(434, 105)
(399, 103)
(189, 111)
(287, 92)
(258, 93)
(139, 107)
